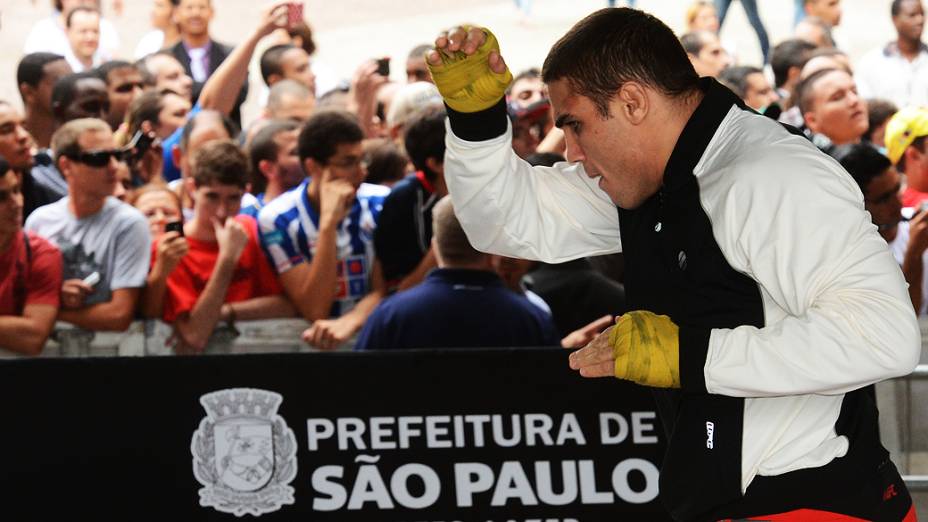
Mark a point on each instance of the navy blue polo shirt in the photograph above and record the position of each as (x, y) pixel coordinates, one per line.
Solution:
(457, 308)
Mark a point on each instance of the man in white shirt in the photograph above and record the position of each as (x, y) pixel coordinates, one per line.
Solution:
(83, 30)
(898, 71)
(49, 35)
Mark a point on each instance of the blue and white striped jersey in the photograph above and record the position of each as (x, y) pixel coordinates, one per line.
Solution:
(289, 228)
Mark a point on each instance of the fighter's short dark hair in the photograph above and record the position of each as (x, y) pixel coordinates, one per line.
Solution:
(613, 46)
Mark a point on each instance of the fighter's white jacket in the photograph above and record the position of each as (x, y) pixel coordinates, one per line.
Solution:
(758, 246)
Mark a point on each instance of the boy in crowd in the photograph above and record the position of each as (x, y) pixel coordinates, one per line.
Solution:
(224, 275)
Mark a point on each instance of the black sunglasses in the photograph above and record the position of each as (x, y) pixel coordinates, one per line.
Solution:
(99, 158)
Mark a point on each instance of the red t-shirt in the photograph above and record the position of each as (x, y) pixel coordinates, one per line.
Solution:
(913, 198)
(253, 275)
(23, 283)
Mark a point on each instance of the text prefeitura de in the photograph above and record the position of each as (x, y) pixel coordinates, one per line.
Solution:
(460, 431)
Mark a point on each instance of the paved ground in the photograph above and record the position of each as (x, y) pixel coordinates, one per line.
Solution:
(350, 31)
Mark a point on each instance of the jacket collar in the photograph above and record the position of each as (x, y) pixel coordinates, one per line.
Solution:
(698, 132)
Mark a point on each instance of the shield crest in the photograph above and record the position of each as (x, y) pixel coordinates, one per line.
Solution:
(244, 453)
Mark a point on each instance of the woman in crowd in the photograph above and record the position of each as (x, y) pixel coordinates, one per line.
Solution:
(161, 207)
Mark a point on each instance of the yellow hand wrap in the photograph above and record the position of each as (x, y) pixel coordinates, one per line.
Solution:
(466, 82)
(647, 349)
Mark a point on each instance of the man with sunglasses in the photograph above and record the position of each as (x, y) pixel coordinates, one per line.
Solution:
(104, 242)
(30, 274)
(319, 235)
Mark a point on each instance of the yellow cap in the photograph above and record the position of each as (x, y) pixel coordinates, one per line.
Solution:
(903, 128)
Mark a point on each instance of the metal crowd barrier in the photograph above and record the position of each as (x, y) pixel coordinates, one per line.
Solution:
(916, 483)
(144, 338)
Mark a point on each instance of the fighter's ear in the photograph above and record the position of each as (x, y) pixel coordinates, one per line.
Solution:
(633, 102)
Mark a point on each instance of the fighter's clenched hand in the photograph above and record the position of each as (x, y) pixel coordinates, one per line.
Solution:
(468, 69)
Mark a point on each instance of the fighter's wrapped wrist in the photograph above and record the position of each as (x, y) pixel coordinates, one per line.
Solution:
(467, 83)
(646, 347)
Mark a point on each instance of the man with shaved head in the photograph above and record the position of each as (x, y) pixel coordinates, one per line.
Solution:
(461, 304)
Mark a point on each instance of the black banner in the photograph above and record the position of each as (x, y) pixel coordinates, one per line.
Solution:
(466, 435)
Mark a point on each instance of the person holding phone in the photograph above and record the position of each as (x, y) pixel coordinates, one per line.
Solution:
(161, 206)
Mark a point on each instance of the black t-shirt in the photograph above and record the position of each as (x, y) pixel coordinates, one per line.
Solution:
(404, 229)
(35, 195)
(577, 293)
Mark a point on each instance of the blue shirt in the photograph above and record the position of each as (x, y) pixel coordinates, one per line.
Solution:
(253, 208)
(170, 171)
(289, 227)
(455, 308)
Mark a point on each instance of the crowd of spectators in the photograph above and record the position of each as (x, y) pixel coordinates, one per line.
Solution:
(131, 187)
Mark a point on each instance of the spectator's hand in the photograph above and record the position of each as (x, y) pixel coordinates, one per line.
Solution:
(642, 347)
(328, 334)
(468, 69)
(73, 293)
(335, 199)
(362, 96)
(918, 232)
(117, 7)
(364, 85)
(584, 335)
(171, 248)
(231, 237)
(273, 17)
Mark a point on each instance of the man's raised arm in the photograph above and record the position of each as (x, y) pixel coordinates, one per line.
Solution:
(505, 205)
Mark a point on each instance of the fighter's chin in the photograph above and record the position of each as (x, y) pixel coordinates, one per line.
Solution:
(621, 199)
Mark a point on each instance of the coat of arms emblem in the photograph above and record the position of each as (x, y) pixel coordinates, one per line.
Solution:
(244, 454)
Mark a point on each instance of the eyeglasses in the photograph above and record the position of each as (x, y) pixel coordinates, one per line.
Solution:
(99, 158)
(349, 163)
